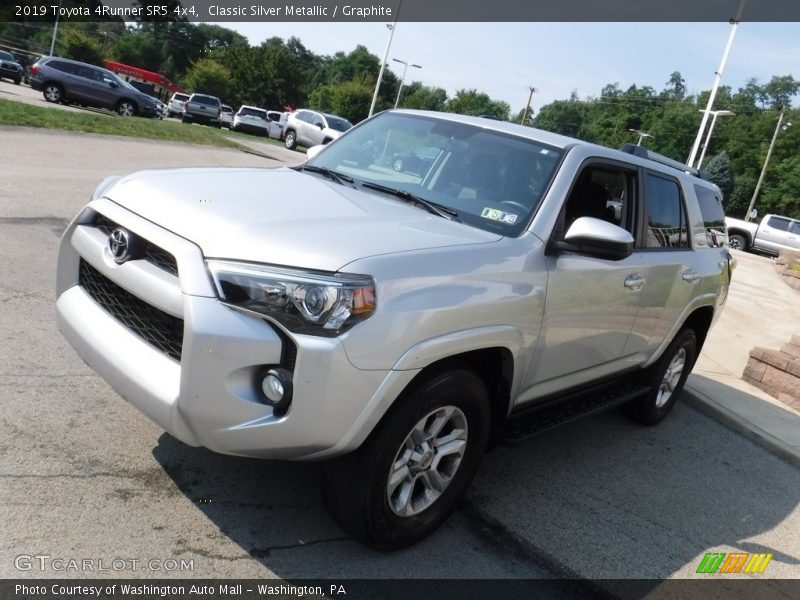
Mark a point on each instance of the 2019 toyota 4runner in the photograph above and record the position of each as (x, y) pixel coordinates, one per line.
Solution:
(398, 323)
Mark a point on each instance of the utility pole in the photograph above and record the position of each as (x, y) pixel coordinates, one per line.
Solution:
(717, 79)
(528, 105)
(781, 126)
(55, 30)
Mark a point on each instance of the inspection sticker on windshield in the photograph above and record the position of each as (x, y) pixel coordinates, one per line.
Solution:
(495, 214)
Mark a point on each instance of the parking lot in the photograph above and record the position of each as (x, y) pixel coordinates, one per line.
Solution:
(86, 476)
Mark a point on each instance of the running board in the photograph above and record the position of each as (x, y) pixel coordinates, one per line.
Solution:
(536, 420)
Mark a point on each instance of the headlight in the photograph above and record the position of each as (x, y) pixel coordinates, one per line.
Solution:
(302, 301)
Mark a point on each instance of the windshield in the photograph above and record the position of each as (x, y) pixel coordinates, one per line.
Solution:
(492, 180)
(253, 112)
(338, 123)
(7, 56)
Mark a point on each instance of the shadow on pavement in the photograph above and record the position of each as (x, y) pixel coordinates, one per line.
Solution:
(602, 498)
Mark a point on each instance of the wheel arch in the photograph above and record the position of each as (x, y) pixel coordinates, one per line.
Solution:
(743, 233)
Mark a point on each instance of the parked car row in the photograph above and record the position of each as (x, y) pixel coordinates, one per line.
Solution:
(10, 68)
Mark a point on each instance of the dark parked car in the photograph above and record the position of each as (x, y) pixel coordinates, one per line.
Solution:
(10, 68)
(63, 80)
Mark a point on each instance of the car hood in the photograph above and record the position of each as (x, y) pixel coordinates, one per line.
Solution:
(284, 217)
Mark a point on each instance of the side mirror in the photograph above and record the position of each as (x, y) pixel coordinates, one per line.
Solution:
(313, 151)
(112, 84)
(595, 237)
(319, 125)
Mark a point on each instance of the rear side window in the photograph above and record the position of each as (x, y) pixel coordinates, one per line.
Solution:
(713, 216)
(253, 112)
(65, 67)
(665, 218)
(779, 223)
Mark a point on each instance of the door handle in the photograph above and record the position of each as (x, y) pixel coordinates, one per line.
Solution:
(690, 276)
(634, 282)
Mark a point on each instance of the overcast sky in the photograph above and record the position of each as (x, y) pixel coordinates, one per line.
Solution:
(503, 59)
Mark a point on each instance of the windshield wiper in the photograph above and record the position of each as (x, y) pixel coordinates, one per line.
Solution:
(332, 175)
(431, 207)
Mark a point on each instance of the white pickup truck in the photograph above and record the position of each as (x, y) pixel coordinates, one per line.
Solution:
(773, 234)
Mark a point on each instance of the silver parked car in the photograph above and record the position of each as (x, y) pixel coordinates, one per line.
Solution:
(400, 322)
(311, 128)
(63, 80)
(251, 119)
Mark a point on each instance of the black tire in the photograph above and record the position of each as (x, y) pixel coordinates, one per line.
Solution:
(18, 80)
(357, 491)
(290, 140)
(127, 108)
(665, 387)
(53, 92)
(737, 242)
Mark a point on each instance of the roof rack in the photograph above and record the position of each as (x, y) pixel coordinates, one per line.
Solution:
(661, 159)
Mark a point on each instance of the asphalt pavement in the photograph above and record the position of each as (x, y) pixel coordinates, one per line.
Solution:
(87, 476)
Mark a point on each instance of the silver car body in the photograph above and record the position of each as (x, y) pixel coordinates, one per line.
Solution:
(312, 127)
(773, 234)
(442, 288)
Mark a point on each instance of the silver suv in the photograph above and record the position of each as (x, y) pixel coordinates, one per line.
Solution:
(399, 322)
(63, 81)
(310, 128)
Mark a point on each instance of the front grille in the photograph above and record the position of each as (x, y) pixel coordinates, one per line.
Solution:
(154, 326)
(150, 252)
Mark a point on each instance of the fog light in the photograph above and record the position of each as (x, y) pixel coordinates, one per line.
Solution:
(276, 385)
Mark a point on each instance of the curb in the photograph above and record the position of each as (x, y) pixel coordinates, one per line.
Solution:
(712, 408)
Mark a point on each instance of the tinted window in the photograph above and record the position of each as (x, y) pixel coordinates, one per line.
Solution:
(63, 66)
(713, 216)
(796, 228)
(665, 221)
(779, 223)
(182, 97)
(304, 116)
(7, 56)
(253, 112)
(602, 193)
(338, 123)
(205, 100)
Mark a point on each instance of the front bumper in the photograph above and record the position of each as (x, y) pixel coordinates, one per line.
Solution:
(211, 396)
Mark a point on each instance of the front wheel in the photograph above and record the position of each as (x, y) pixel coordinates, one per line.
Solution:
(666, 380)
(126, 108)
(407, 477)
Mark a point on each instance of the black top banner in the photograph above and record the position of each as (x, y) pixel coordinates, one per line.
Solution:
(402, 10)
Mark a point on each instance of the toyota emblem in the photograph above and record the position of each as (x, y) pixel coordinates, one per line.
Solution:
(119, 244)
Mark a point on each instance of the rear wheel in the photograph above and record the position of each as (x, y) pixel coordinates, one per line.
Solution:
(737, 242)
(290, 140)
(408, 476)
(666, 380)
(18, 80)
(53, 92)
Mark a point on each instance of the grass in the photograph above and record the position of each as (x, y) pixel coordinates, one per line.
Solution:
(27, 115)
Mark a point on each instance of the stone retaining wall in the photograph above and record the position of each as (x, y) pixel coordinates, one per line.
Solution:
(788, 267)
(777, 372)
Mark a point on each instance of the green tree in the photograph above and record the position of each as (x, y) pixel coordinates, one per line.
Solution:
(423, 97)
(718, 170)
(208, 77)
(77, 45)
(472, 102)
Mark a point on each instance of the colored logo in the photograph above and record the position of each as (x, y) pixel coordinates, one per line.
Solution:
(733, 562)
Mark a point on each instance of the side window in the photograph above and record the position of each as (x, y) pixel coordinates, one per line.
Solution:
(779, 223)
(602, 192)
(795, 227)
(304, 116)
(317, 120)
(713, 216)
(63, 66)
(664, 216)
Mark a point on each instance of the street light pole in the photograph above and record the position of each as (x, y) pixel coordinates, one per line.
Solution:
(642, 135)
(403, 78)
(716, 113)
(391, 27)
(55, 30)
(717, 79)
(781, 126)
(528, 105)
